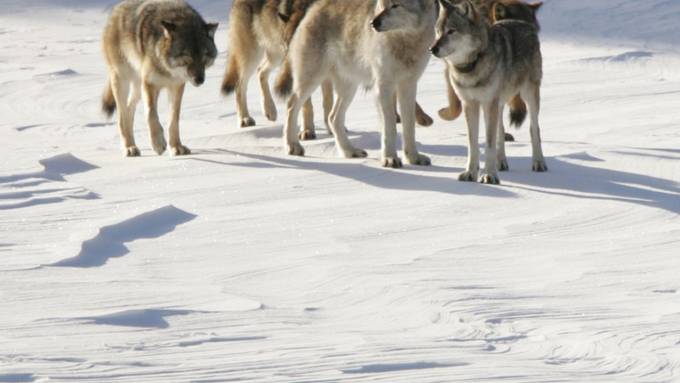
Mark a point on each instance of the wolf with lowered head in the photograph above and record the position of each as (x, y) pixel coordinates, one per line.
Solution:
(488, 65)
(150, 45)
(374, 43)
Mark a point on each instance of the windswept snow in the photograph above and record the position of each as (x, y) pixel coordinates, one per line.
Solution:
(239, 263)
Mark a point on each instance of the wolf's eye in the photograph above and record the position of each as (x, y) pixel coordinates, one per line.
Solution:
(450, 31)
(394, 6)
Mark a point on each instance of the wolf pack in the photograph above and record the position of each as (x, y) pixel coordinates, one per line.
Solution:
(490, 48)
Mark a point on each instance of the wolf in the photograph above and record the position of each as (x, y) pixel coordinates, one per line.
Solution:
(149, 46)
(375, 43)
(488, 65)
(496, 10)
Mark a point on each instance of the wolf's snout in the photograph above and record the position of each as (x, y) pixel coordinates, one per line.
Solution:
(199, 80)
(435, 50)
(376, 24)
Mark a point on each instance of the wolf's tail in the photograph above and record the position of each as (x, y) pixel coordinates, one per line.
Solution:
(231, 76)
(284, 82)
(108, 101)
(518, 111)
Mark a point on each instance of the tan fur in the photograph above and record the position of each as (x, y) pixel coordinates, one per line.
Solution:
(150, 46)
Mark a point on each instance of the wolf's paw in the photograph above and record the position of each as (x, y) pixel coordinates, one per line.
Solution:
(490, 179)
(355, 153)
(448, 114)
(132, 151)
(296, 149)
(180, 150)
(270, 111)
(392, 162)
(424, 120)
(503, 165)
(158, 144)
(419, 159)
(539, 166)
(468, 176)
(509, 137)
(247, 121)
(307, 135)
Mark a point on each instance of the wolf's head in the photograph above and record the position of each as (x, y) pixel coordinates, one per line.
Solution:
(403, 14)
(515, 10)
(461, 31)
(188, 49)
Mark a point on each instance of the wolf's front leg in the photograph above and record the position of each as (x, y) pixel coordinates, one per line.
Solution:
(263, 72)
(390, 159)
(491, 114)
(407, 101)
(501, 157)
(472, 119)
(150, 93)
(175, 96)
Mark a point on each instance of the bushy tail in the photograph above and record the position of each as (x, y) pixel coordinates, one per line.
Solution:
(518, 111)
(108, 101)
(231, 76)
(284, 82)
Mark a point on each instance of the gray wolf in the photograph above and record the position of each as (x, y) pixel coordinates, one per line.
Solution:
(150, 46)
(496, 10)
(488, 65)
(380, 44)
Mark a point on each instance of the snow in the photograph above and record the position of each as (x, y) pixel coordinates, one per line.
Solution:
(240, 263)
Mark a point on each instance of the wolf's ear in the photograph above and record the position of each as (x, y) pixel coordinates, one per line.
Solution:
(536, 6)
(499, 11)
(464, 8)
(168, 28)
(212, 28)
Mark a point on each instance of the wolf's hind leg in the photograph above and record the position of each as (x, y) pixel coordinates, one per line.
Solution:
(247, 69)
(121, 93)
(150, 93)
(472, 120)
(263, 71)
(175, 95)
(532, 95)
(346, 92)
(407, 103)
(308, 132)
(502, 159)
(327, 93)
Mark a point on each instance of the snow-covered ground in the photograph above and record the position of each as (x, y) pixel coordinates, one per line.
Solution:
(239, 263)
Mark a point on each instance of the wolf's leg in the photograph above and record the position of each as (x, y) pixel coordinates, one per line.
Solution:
(453, 110)
(290, 130)
(263, 71)
(150, 93)
(175, 95)
(308, 132)
(472, 120)
(121, 93)
(244, 118)
(500, 143)
(490, 175)
(532, 95)
(327, 92)
(346, 91)
(407, 100)
(421, 117)
(388, 116)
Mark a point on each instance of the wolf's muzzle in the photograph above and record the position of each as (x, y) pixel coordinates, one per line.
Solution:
(376, 24)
